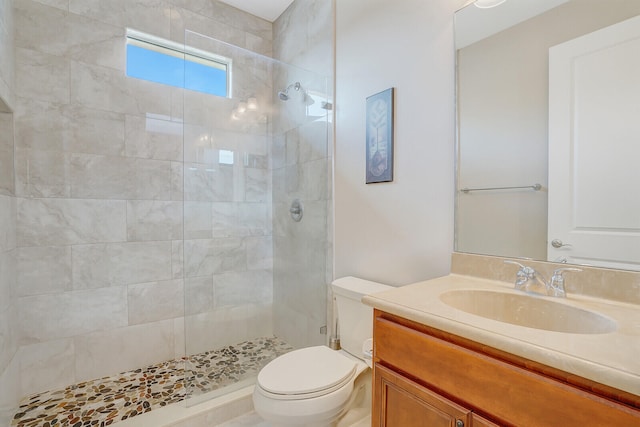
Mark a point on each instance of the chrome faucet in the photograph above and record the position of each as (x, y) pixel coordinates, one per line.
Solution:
(529, 280)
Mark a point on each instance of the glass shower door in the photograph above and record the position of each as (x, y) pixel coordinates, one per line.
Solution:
(253, 278)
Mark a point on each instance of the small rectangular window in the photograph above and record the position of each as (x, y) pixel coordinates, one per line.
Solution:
(163, 61)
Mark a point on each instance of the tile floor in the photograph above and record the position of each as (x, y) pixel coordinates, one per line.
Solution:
(107, 400)
(249, 420)
(253, 420)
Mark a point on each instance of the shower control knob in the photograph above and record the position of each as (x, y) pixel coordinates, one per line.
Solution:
(296, 210)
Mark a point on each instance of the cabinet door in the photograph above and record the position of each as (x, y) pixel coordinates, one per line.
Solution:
(399, 402)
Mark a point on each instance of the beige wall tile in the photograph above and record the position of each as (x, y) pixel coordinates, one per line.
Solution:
(43, 270)
(95, 352)
(7, 184)
(177, 259)
(7, 283)
(257, 185)
(231, 328)
(177, 181)
(150, 16)
(57, 32)
(198, 220)
(9, 334)
(154, 220)
(154, 137)
(68, 314)
(36, 361)
(94, 131)
(204, 257)
(240, 288)
(43, 222)
(9, 389)
(52, 74)
(185, 20)
(179, 337)
(7, 223)
(60, 4)
(259, 253)
(42, 125)
(223, 13)
(106, 177)
(198, 295)
(211, 183)
(241, 219)
(115, 264)
(41, 173)
(154, 301)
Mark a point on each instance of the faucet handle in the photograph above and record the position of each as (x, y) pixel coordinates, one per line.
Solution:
(523, 275)
(556, 285)
(528, 271)
(508, 261)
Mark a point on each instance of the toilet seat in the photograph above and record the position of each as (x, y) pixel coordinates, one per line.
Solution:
(306, 373)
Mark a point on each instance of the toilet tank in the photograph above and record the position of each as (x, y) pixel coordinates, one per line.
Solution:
(355, 320)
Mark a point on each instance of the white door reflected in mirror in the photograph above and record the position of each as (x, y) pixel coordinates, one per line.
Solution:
(594, 105)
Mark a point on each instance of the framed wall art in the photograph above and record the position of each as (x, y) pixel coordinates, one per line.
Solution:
(379, 122)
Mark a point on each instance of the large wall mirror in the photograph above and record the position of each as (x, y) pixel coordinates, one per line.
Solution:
(548, 131)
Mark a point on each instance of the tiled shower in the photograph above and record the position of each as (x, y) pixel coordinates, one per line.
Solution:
(141, 223)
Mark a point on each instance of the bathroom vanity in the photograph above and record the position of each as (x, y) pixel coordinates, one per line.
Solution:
(470, 350)
(436, 365)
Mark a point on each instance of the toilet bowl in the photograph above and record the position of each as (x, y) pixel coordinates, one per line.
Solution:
(312, 386)
(317, 386)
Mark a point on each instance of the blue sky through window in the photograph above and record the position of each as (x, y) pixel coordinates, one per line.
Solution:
(173, 70)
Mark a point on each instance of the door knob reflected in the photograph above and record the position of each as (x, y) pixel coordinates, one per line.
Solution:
(557, 243)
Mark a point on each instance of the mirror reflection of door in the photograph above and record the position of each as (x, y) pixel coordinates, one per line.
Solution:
(594, 97)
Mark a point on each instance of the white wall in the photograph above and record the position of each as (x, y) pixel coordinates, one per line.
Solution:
(398, 232)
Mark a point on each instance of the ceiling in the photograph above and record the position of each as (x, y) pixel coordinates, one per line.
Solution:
(265, 9)
(474, 24)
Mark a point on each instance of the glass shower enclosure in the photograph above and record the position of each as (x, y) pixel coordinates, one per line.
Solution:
(255, 185)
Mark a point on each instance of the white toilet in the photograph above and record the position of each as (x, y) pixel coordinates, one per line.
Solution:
(317, 386)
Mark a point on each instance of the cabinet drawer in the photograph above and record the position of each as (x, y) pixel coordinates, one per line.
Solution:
(510, 394)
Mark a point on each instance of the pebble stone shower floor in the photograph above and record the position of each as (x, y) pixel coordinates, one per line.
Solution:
(107, 400)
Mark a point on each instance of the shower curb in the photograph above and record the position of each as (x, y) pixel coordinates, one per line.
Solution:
(208, 413)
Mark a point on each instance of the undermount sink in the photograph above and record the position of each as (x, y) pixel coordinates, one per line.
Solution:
(528, 311)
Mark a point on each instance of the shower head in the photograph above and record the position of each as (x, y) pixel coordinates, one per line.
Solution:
(284, 94)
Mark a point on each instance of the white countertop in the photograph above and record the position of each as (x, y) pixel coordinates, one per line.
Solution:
(610, 358)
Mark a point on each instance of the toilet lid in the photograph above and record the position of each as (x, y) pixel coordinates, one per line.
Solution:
(304, 371)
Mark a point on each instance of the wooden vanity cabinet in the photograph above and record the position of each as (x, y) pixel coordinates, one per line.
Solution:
(424, 377)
